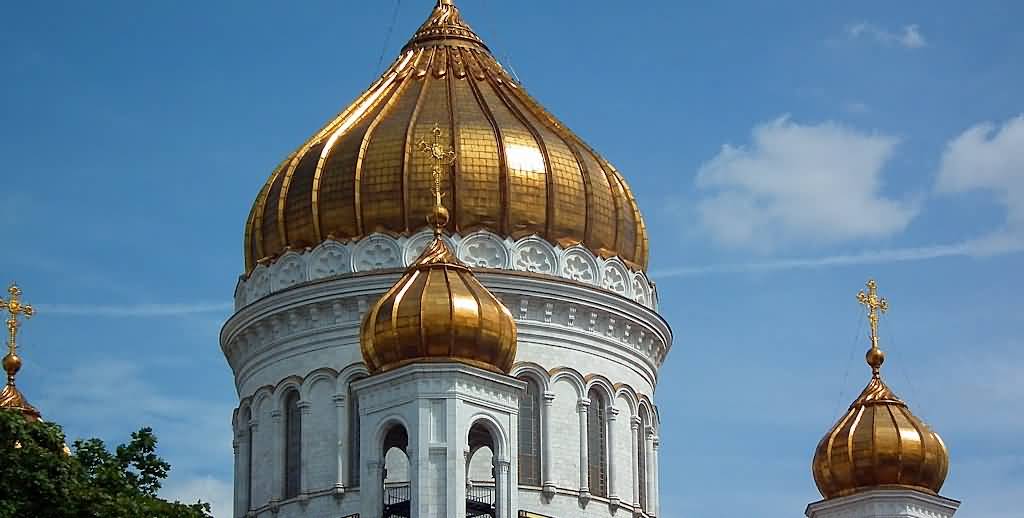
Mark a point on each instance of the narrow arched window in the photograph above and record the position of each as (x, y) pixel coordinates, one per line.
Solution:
(292, 445)
(353, 437)
(529, 434)
(641, 448)
(597, 444)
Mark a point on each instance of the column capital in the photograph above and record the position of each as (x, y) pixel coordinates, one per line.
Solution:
(276, 415)
(304, 406)
(656, 442)
(253, 424)
(582, 404)
(613, 413)
(235, 445)
(339, 400)
(503, 465)
(634, 423)
(549, 397)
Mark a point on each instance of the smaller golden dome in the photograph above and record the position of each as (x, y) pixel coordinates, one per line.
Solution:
(879, 443)
(438, 312)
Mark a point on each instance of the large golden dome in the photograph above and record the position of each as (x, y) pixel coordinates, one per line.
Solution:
(520, 172)
(438, 311)
(879, 443)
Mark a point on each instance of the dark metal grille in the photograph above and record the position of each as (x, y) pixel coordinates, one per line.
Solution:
(597, 450)
(529, 435)
(293, 446)
(353, 437)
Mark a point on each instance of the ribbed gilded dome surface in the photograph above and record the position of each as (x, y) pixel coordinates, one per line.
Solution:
(519, 171)
(879, 443)
(438, 311)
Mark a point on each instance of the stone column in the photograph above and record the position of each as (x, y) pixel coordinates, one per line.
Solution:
(581, 408)
(613, 490)
(236, 446)
(371, 487)
(247, 476)
(656, 500)
(545, 427)
(343, 448)
(652, 472)
(502, 489)
(634, 428)
(277, 464)
(306, 440)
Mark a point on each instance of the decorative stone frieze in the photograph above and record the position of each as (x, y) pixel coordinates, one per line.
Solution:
(479, 250)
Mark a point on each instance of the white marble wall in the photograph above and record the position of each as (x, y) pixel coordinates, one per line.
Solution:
(572, 337)
(885, 503)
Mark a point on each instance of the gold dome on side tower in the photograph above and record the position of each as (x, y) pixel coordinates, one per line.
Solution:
(438, 311)
(521, 172)
(879, 443)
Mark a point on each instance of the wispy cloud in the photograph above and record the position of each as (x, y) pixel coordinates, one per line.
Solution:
(989, 246)
(909, 37)
(801, 183)
(135, 310)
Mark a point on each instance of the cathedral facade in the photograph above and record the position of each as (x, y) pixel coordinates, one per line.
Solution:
(445, 310)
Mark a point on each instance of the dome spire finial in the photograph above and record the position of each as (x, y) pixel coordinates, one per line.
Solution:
(876, 305)
(442, 156)
(11, 397)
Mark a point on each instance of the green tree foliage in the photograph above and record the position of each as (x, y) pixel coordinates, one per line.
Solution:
(41, 478)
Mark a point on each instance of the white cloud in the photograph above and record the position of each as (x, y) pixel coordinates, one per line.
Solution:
(218, 493)
(909, 36)
(990, 158)
(135, 310)
(814, 183)
(972, 248)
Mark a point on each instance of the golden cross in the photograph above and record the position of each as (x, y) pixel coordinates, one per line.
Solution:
(875, 305)
(15, 308)
(442, 156)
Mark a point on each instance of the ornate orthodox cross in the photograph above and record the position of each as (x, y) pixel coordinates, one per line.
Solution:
(442, 156)
(875, 305)
(15, 308)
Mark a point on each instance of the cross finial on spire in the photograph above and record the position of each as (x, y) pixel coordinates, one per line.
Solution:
(876, 305)
(15, 308)
(442, 156)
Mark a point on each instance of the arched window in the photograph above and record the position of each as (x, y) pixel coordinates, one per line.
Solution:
(641, 448)
(529, 434)
(353, 437)
(597, 444)
(292, 445)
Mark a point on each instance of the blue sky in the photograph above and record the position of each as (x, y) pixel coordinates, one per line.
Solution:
(782, 152)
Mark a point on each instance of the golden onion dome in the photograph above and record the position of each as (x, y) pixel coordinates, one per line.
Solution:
(438, 311)
(879, 443)
(520, 171)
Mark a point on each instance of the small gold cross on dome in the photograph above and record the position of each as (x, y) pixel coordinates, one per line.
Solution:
(15, 308)
(440, 154)
(875, 305)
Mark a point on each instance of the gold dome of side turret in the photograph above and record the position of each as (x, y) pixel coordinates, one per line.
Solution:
(438, 311)
(521, 171)
(878, 442)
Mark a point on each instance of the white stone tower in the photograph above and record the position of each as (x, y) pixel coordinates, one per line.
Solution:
(358, 398)
(879, 460)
